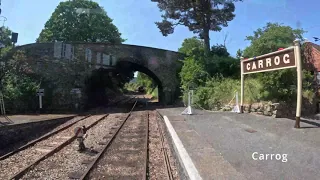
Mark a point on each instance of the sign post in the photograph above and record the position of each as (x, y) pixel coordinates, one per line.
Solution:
(242, 86)
(40, 101)
(40, 93)
(282, 59)
(297, 51)
(76, 94)
(188, 110)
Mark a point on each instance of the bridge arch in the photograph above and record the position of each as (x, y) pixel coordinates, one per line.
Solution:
(161, 65)
(138, 67)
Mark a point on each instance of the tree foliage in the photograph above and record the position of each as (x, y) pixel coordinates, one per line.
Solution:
(190, 45)
(145, 81)
(218, 62)
(80, 20)
(5, 36)
(192, 74)
(270, 38)
(5, 39)
(200, 16)
(220, 50)
(19, 85)
(277, 85)
(239, 54)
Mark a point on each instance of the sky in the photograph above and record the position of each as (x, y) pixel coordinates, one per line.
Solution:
(135, 20)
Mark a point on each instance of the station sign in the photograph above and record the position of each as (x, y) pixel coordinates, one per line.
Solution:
(40, 92)
(281, 59)
(75, 91)
(269, 62)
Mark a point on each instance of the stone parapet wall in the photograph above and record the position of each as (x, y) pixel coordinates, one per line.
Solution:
(69, 70)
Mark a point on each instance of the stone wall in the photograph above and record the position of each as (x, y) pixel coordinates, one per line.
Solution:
(278, 110)
(23, 133)
(69, 71)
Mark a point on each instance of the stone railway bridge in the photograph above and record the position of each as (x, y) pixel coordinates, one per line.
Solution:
(70, 62)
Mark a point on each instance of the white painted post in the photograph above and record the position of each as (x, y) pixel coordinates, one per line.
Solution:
(237, 101)
(4, 108)
(242, 85)
(297, 52)
(40, 101)
(1, 105)
(191, 97)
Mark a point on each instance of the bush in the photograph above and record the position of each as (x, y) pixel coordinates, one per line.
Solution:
(219, 91)
(192, 74)
(221, 65)
(131, 86)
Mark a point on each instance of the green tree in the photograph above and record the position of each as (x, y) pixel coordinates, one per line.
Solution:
(5, 34)
(239, 54)
(5, 39)
(200, 16)
(192, 74)
(146, 81)
(218, 62)
(19, 85)
(220, 50)
(190, 45)
(270, 38)
(277, 85)
(80, 20)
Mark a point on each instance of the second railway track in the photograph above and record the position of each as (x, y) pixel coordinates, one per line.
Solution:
(119, 146)
(14, 166)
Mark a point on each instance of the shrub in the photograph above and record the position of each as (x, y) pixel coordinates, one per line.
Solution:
(219, 91)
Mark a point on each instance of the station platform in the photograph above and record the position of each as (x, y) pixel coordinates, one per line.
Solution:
(225, 145)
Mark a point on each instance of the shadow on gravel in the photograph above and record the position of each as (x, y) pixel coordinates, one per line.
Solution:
(308, 127)
(311, 122)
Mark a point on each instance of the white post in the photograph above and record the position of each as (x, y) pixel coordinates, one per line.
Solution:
(40, 101)
(1, 99)
(237, 101)
(4, 109)
(297, 52)
(191, 97)
(242, 85)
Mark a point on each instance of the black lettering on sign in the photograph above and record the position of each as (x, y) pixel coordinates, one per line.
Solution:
(273, 62)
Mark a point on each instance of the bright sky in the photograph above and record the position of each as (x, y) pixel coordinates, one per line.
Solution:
(135, 20)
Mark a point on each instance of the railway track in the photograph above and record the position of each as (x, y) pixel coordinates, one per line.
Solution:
(60, 128)
(119, 146)
(18, 163)
(124, 151)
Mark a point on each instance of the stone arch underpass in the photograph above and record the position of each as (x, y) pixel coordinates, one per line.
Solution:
(161, 65)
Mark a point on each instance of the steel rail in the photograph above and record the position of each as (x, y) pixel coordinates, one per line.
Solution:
(164, 151)
(118, 101)
(94, 162)
(53, 151)
(46, 136)
(145, 171)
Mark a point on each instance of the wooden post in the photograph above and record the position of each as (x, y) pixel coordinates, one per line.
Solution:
(297, 52)
(242, 85)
